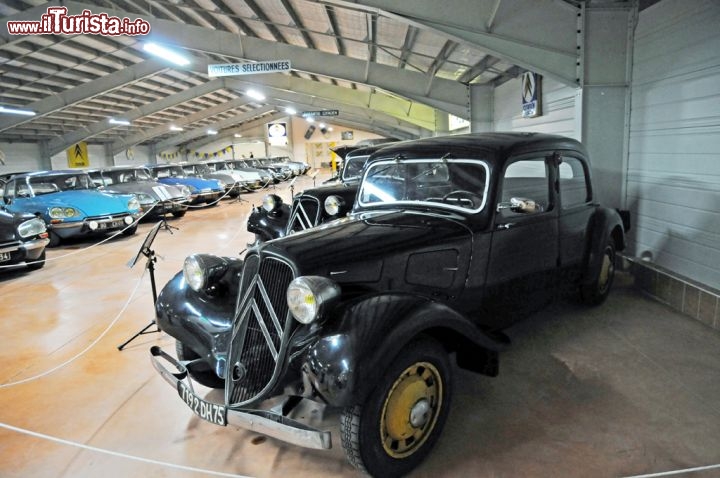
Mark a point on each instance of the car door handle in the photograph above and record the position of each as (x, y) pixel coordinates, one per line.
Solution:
(507, 225)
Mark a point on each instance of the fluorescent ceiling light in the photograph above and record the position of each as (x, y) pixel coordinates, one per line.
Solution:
(256, 95)
(310, 119)
(119, 121)
(16, 111)
(291, 111)
(176, 128)
(237, 135)
(211, 132)
(166, 54)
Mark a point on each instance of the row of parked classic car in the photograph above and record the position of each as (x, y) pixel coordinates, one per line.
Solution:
(359, 293)
(43, 208)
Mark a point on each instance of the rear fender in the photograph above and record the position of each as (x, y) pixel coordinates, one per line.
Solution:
(269, 226)
(346, 363)
(604, 223)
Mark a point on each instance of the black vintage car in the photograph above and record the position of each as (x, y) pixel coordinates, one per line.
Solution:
(23, 238)
(313, 206)
(450, 240)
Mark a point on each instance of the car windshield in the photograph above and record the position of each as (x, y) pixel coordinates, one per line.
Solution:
(61, 182)
(459, 184)
(202, 169)
(353, 167)
(127, 175)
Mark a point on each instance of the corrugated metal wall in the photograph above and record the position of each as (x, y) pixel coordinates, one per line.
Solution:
(673, 177)
(558, 109)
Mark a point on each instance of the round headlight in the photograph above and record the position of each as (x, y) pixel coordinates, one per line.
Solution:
(334, 205)
(145, 198)
(133, 204)
(56, 212)
(30, 228)
(70, 212)
(184, 190)
(271, 202)
(308, 296)
(194, 273)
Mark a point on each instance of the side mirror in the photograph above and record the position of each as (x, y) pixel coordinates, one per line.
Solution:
(520, 205)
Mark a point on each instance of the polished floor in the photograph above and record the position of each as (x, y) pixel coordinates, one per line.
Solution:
(625, 389)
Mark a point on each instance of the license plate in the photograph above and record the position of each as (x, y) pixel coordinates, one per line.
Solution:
(4, 256)
(211, 412)
(109, 225)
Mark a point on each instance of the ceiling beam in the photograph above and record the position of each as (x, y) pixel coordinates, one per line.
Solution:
(65, 141)
(85, 91)
(547, 45)
(202, 131)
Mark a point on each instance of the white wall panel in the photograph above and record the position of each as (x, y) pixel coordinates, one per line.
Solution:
(558, 108)
(20, 157)
(673, 177)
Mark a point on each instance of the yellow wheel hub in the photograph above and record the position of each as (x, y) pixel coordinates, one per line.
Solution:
(411, 409)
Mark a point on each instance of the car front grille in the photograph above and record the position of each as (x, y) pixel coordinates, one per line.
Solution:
(260, 329)
(305, 214)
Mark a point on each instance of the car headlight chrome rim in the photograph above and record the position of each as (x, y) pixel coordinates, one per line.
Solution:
(309, 296)
(32, 227)
(334, 205)
(62, 212)
(133, 204)
(271, 202)
(194, 273)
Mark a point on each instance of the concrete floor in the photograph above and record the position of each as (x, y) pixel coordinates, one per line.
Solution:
(624, 389)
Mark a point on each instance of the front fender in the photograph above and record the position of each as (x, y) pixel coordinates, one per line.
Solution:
(348, 360)
(604, 223)
(268, 226)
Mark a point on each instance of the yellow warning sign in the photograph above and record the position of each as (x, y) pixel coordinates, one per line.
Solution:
(77, 155)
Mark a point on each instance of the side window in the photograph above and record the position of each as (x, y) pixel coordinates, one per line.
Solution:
(573, 183)
(10, 190)
(526, 180)
(22, 190)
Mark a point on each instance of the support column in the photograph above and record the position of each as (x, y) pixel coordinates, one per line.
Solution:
(109, 156)
(152, 153)
(605, 68)
(442, 123)
(482, 109)
(45, 158)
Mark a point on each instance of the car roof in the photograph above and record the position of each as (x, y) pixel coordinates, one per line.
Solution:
(53, 172)
(493, 146)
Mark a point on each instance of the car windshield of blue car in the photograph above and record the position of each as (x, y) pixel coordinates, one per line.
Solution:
(458, 184)
(353, 167)
(66, 182)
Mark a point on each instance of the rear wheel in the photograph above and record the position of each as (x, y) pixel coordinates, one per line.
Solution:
(38, 263)
(395, 429)
(200, 372)
(597, 291)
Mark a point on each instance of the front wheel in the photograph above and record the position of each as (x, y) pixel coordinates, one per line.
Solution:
(597, 291)
(397, 426)
(130, 230)
(179, 213)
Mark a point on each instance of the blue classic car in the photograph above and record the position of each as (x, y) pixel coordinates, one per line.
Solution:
(70, 205)
(23, 238)
(204, 190)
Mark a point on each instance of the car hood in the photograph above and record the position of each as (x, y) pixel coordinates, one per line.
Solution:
(146, 187)
(91, 202)
(194, 182)
(369, 238)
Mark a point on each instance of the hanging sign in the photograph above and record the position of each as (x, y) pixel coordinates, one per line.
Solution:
(77, 155)
(277, 134)
(305, 114)
(531, 105)
(249, 68)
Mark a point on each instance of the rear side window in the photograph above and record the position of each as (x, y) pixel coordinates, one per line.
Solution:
(527, 179)
(573, 183)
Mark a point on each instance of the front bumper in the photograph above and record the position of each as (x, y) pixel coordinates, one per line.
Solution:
(261, 421)
(24, 251)
(104, 224)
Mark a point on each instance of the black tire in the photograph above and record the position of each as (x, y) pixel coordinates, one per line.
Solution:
(597, 291)
(54, 239)
(202, 375)
(38, 263)
(130, 230)
(397, 426)
(179, 213)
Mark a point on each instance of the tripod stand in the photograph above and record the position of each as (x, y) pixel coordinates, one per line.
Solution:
(150, 265)
(167, 227)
